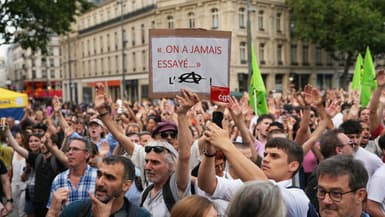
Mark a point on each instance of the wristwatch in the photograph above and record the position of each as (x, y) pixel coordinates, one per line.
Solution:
(207, 154)
(10, 200)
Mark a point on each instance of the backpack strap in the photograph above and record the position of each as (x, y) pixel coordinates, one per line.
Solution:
(145, 194)
(53, 162)
(38, 160)
(167, 195)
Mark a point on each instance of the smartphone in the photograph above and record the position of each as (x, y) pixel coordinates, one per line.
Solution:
(217, 118)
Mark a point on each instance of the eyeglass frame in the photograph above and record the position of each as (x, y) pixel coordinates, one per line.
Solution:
(171, 133)
(330, 193)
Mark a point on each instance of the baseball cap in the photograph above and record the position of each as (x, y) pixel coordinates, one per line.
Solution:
(97, 121)
(164, 126)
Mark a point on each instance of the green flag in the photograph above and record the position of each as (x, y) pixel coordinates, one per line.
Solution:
(257, 90)
(358, 70)
(368, 79)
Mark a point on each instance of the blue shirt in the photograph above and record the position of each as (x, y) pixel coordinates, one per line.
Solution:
(86, 184)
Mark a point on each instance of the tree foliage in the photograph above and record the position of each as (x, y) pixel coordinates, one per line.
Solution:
(340, 26)
(31, 22)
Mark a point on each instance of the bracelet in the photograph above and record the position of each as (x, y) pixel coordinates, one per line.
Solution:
(208, 154)
(10, 200)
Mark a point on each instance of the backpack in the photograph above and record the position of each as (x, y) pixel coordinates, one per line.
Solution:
(311, 211)
(39, 159)
(167, 194)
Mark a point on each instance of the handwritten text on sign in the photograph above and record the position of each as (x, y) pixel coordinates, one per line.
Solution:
(189, 62)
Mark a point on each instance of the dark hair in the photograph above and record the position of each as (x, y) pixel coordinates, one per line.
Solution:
(351, 127)
(340, 165)
(129, 167)
(277, 124)
(329, 141)
(263, 117)
(293, 150)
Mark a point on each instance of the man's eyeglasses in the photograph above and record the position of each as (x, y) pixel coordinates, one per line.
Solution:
(156, 149)
(335, 196)
(165, 135)
(75, 149)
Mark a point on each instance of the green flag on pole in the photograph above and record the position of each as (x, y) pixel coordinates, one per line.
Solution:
(257, 90)
(368, 82)
(358, 70)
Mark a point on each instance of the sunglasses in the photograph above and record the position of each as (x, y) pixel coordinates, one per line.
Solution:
(165, 135)
(156, 149)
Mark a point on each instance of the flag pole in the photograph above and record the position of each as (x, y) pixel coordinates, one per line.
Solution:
(255, 102)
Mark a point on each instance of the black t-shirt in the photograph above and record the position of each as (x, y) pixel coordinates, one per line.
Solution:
(44, 176)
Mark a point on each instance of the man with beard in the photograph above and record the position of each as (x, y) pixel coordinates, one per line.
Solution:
(164, 166)
(341, 187)
(114, 177)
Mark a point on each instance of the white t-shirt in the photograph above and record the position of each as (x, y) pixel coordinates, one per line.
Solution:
(376, 187)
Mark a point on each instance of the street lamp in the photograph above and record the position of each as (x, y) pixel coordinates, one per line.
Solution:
(123, 87)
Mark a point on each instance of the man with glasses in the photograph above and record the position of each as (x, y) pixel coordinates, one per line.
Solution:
(166, 130)
(341, 188)
(80, 177)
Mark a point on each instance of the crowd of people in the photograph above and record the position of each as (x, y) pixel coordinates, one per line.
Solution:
(317, 153)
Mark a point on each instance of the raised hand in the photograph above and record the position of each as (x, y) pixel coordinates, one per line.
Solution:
(185, 101)
(380, 78)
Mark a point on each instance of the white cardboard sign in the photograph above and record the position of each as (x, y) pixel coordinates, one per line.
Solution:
(193, 59)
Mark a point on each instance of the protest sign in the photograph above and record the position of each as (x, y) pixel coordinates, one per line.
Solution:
(193, 59)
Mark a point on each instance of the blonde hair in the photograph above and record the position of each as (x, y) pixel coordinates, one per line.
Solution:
(192, 206)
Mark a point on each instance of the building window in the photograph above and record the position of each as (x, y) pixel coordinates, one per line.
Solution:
(51, 63)
(52, 74)
(108, 42)
(43, 73)
(329, 59)
(305, 55)
(242, 18)
(318, 56)
(33, 74)
(214, 16)
(262, 54)
(143, 33)
(116, 40)
(133, 36)
(94, 45)
(279, 54)
(293, 54)
(144, 59)
(133, 61)
(279, 82)
(278, 22)
(260, 21)
(242, 52)
(170, 22)
(191, 20)
(243, 82)
(101, 44)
